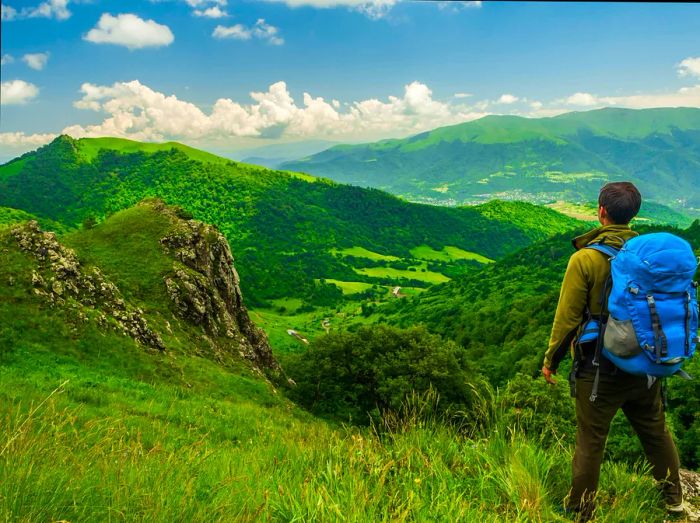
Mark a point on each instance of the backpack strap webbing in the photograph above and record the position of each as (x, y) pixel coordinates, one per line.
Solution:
(660, 339)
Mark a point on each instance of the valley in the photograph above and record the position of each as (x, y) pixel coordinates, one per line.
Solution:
(308, 311)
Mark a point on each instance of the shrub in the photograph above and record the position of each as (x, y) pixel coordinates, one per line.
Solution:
(356, 376)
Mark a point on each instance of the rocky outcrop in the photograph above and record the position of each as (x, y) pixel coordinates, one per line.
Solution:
(204, 288)
(59, 278)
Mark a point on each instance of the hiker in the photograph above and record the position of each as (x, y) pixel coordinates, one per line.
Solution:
(599, 398)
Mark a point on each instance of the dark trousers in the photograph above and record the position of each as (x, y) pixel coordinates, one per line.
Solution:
(643, 407)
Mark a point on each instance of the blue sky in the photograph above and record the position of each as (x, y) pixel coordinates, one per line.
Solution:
(185, 69)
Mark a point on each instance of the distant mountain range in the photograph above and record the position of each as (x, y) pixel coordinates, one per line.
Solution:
(567, 157)
(274, 155)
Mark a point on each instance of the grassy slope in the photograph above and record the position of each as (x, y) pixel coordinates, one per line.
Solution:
(95, 428)
(90, 147)
(8, 216)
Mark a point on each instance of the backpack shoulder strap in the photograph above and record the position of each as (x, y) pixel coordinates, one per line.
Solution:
(609, 250)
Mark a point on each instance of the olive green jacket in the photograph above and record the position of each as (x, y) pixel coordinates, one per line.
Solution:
(582, 287)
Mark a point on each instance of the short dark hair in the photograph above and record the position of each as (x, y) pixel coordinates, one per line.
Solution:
(621, 201)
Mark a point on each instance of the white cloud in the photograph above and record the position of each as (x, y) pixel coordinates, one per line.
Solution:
(36, 61)
(462, 95)
(211, 12)
(57, 9)
(374, 9)
(22, 140)
(8, 12)
(199, 4)
(456, 6)
(261, 30)
(536, 105)
(683, 97)
(582, 99)
(7, 59)
(238, 31)
(17, 92)
(507, 99)
(689, 67)
(129, 31)
(136, 111)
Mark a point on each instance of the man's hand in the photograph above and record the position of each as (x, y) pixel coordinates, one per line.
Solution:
(548, 375)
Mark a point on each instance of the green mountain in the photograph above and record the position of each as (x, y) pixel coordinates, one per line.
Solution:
(566, 157)
(290, 232)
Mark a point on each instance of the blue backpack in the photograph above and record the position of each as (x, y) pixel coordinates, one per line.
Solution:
(652, 324)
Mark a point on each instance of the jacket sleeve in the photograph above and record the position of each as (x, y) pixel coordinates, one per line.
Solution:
(573, 299)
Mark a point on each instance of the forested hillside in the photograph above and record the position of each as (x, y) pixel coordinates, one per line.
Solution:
(288, 231)
(566, 157)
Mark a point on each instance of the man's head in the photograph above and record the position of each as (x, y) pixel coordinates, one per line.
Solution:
(618, 203)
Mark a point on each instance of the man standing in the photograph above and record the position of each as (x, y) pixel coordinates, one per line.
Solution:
(580, 298)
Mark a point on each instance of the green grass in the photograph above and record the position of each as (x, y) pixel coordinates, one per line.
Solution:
(115, 450)
(12, 168)
(90, 147)
(93, 427)
(351, 287)
(127, 249)
(361, 252)
(447, 254)
(389, 272)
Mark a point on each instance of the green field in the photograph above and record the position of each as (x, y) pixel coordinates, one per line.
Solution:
(389, 272)
(447, 254)
(361, 252)
(351, 287)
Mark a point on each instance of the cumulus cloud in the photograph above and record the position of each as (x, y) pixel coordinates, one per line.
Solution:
(136, 111)
(462, 95)
(36, 61)
(261, 31)
(211, 12)
(129, 31)
(17, 92)
(689, 67)
(582, 100)
(7, 59)
(507, 99)
(22, 140)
